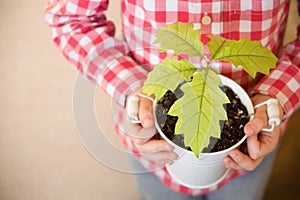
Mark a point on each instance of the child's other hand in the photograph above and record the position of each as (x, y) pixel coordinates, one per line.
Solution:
(259, 143)
(145, 137)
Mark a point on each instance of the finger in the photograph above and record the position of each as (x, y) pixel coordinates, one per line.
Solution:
(253, 127)
(158, 151)
(258, 122)
(145, 113)
(162, 158)
(243, 161)
(230, 163)
(154, 146)
(140, 135)
(262, 144)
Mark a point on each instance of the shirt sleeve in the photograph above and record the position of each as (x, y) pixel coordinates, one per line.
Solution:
(86, 38)
(283, 82)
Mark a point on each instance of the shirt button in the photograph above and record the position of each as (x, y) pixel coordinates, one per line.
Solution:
(206, 20)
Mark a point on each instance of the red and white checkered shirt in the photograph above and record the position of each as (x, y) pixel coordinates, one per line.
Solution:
(80, 29)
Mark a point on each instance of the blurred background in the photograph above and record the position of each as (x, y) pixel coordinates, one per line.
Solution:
(41, 155)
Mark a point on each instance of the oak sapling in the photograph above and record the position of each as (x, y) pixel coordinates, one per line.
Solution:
(200, 109)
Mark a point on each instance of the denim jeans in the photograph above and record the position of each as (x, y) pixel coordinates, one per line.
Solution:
(250, 186)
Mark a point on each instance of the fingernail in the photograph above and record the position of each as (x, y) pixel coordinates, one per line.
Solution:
(233, 154)
(175, 157)
(225, 160)
(168, 148)
(226, 163)
(249, 130)
(147, 123)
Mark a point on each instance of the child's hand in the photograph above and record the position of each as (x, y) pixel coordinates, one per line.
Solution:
(145, 137)
(259, 143)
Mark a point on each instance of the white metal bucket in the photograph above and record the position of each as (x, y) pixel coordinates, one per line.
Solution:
(207, 170)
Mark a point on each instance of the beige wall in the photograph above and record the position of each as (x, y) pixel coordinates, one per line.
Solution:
(41, 156)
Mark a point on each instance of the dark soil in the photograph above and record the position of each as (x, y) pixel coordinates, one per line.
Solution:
(232, 130)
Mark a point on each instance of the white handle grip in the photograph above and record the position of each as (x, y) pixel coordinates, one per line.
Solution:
(273, 113)
(132, 107)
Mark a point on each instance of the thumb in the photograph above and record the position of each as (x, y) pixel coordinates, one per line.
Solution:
(146, 113)
(258, 122)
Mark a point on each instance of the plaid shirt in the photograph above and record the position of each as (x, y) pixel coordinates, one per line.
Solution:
(80, 29)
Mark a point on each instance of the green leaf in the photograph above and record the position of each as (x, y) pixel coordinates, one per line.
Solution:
(251, 55)
(180, 37)
(217, 45)
(200, 110)
(167, 75)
